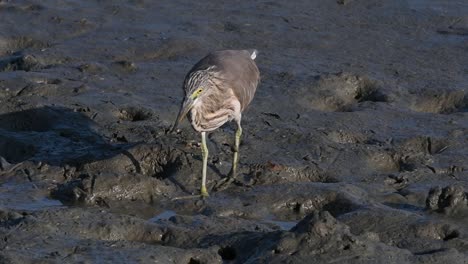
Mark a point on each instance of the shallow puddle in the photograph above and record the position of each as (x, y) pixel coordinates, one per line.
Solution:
(165, 215)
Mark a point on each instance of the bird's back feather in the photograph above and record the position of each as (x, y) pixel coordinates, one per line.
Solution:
(232, 69)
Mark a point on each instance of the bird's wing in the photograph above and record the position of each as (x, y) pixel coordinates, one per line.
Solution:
(233, 69)
(239, 71)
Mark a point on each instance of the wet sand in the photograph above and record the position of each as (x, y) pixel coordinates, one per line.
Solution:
(355, 148)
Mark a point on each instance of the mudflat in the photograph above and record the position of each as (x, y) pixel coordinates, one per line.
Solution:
(355, 147)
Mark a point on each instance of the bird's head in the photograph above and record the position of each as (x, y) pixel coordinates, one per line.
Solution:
(194, 90)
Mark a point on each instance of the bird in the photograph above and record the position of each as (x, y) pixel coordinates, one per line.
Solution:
(218, 89)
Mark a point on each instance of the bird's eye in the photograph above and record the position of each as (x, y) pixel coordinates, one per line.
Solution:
(197, 93)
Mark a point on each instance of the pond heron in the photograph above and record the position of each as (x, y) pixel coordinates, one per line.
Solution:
(217, 89)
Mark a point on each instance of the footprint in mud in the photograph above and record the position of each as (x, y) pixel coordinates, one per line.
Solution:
(409, 154)
(134, 114)
(384, 161)
(435, 230)
(340, 92)
(417, 152)
(296, 201)
(19, 63)
(273, 173)
(439, 101)
(335, 204)
(13, 57)
(126, 66)
(450, 200)
(346, 137)
(421, 145)
(92, 68)
(139, 172)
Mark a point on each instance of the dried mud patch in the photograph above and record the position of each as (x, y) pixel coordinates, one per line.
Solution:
(318, 236)
(54, 87)
(92, 68)
(134, 114)
(157, 161)
(341, 92)
(457, 26)
(384, 161)
(420, 152)
(173, 48)
(14, 7)
(438, 231)
(439, 101)
(297, 207)
(107, 227)
(19, 44)
(406, 230)
(108, 233)
(126, 66)
(296, 200)
(346, 137)
(19, 63)
(107, 190)
(450, 200)
(409, 154)
(273, 173)
(263, 204)
(142, 172)
(185, 232)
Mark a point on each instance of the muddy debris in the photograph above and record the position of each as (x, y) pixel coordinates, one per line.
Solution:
(450, 200)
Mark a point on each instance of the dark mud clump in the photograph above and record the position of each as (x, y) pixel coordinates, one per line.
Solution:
(134, 114)
(341, 92)
(443, 102)
(449, 200)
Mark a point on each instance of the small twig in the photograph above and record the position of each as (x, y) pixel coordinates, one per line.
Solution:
(442, 149)
(11, 169)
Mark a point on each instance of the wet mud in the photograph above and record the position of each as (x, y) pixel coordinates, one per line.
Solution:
(355, 148)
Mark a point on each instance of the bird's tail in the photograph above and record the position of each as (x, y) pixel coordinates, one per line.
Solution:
(253, 53)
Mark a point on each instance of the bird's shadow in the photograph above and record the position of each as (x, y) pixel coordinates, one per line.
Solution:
(56, 136)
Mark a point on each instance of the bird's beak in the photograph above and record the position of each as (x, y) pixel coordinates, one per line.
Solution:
(186, 106)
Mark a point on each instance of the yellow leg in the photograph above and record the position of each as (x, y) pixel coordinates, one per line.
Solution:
(235, 158)
(203, 190)
(224, 183)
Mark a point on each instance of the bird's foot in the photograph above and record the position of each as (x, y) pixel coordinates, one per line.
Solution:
(225, 183)
(204, 192)
(187, 197)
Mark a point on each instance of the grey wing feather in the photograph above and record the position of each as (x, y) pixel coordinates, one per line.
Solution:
(237, 69)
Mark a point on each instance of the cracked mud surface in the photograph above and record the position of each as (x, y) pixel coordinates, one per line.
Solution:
(355, 148)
